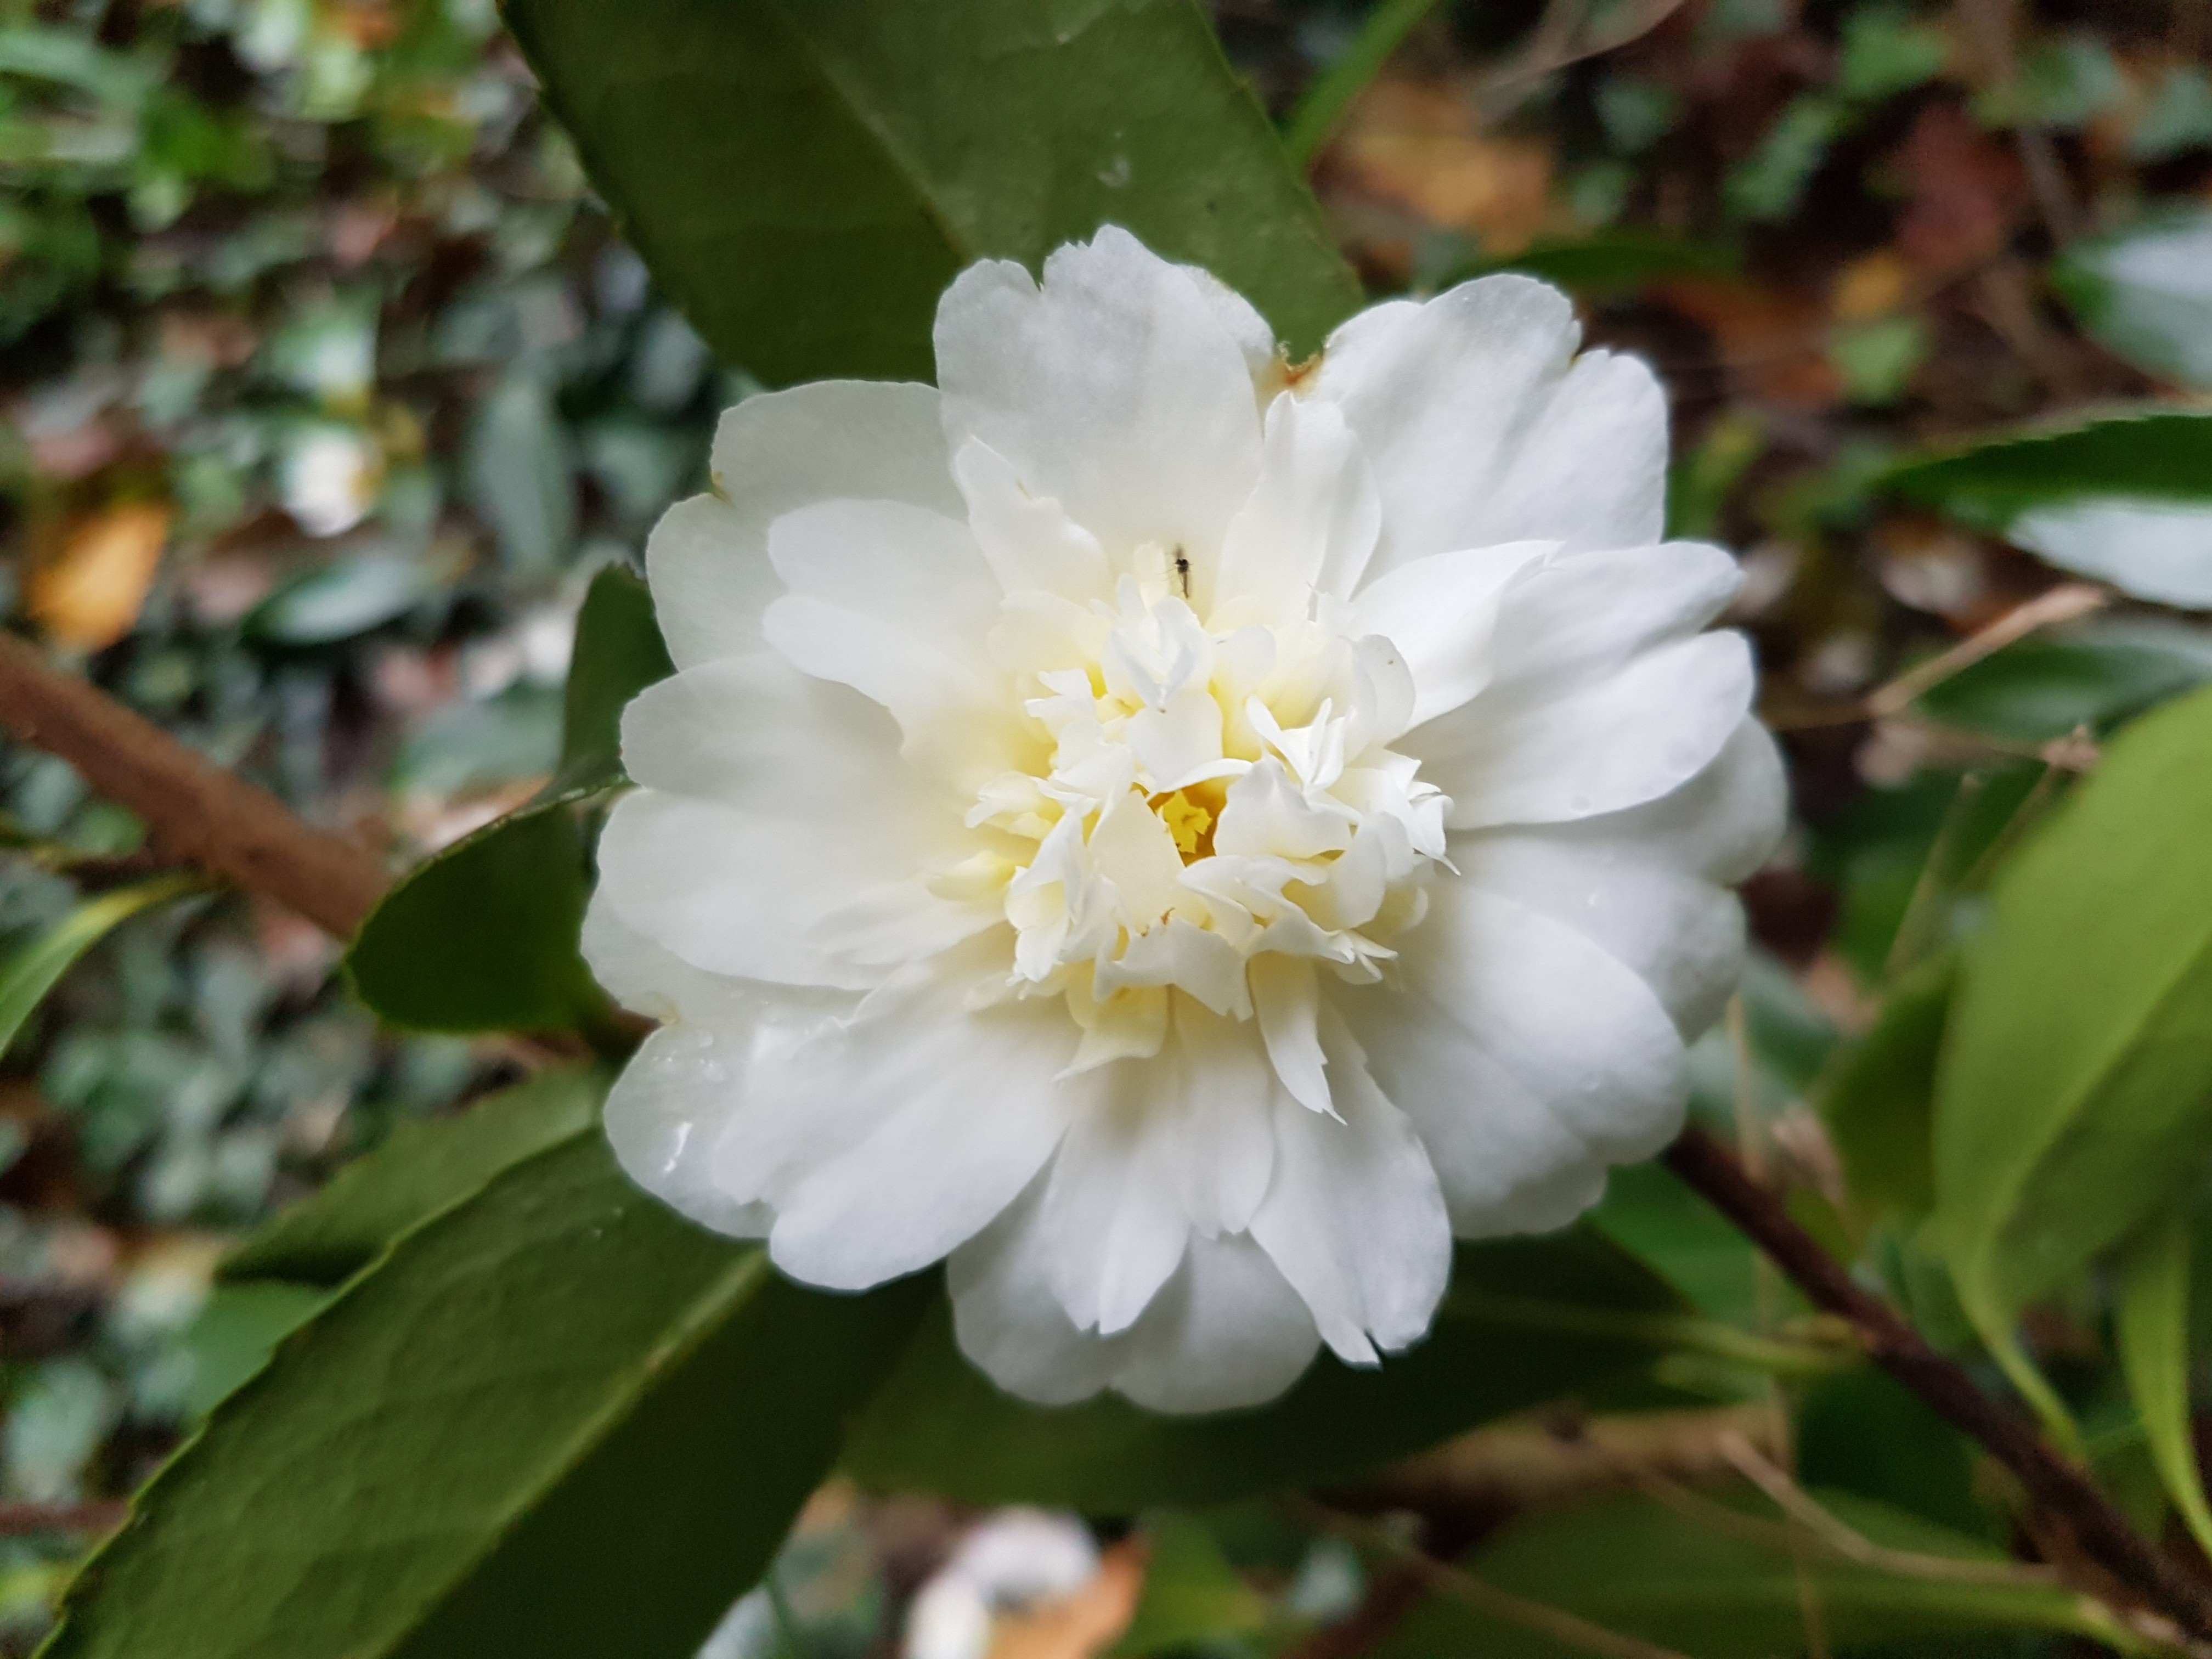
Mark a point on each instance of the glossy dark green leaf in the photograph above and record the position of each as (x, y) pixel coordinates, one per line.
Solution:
(2094, 675)
(2152, 1324)
(37, 966)
(424, 1167)
(2074, 1097)
(232, 1336)
(2146, 293)
(1526, 1320)
(557, 1421)
(1878, 1096)
(618, 653)
(2146, 453)
(482, 937)
(805, 179)
(2125, 497)
(1736, 1587)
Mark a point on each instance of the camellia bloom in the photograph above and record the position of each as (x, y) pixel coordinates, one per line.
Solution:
(1178, 834)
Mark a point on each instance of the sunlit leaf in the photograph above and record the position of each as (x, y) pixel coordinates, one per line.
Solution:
(2153, 1327)
(2074, 1097)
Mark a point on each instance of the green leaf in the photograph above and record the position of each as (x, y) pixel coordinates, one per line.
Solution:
(805, 179)
(2072, 1095)
(2125, 497)
(1861, 1431)
(519, 473)
(1649, 1212)
(1612, 262)
(1323, 103)
(345, 598)
(1733, 1587)
(618, 653)
(1573, 1306)
(1191, 1593)
(1878, 1096)
(556, 1420)
(237, 1331)
(2095, 674)
(36, 968)
(2146, 293)
(2152, 1323)
(423, 1168)
(2144, 453)
(483, 936)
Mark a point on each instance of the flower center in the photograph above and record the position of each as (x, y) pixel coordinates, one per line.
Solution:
(1204, 795)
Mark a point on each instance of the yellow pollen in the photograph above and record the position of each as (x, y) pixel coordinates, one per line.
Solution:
(1190, 823)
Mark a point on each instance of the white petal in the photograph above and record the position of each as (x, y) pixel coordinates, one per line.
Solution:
(1214, 1093)
(738, 892)
(1242, 324)
(1647, 885)
(1286, 999)
(1481, 431)
(648, 979)
(957, 727)
(1030, 543)
(1227, 1331)
(1114, 389)
(1009, 1320)
(708, 560)
(1576, 618)
(1310, 523)
(773, 805)
(689, 1080)
(1526, 1056)
(916, 570)
(1441, 613)
(1617, 742)
(1112, 1229)
(932, 1118)
(1355, 1218)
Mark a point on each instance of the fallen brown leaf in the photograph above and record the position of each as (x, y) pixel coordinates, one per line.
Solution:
(90, 593)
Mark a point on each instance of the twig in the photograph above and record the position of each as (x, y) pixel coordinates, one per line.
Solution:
(192, 809)
(1570, 1629)
(1834, 1535)
(2102, 1533)
(2061, 603)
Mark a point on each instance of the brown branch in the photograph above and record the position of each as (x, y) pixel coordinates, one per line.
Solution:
(2067, 1495)
(192, 809)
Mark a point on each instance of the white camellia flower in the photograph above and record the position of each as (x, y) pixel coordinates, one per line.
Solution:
(1179, 835)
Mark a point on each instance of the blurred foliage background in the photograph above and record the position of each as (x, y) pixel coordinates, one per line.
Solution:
(328, 386)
